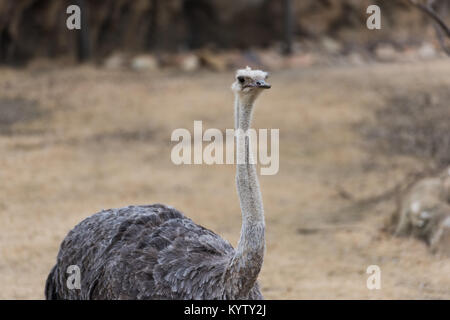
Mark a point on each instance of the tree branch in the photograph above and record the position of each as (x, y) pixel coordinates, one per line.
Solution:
(440, 26)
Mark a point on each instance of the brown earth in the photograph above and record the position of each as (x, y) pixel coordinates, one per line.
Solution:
(74, 141)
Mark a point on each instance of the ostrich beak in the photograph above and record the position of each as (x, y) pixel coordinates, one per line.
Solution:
(263, 84)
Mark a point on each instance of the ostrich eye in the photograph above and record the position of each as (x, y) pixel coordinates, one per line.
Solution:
(241, 79)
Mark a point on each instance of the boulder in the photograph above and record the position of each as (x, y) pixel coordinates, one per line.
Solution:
(427, 51)
(189, 62)
(144, 63)
(425, 212)
(115, 61)
(386, 53)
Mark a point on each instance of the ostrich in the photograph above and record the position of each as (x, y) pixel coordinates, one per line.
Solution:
(155, 252)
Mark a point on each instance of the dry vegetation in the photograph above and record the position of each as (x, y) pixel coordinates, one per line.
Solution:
(75, 141)
(415, 124)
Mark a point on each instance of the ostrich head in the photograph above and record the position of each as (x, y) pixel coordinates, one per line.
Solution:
(249, 84)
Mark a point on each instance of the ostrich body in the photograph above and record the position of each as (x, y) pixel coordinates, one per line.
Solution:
(155, 252)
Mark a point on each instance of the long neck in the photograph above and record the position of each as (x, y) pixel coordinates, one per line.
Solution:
(245, 265)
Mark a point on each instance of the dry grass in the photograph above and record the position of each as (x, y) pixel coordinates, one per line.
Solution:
(102, 139)
(415, 124)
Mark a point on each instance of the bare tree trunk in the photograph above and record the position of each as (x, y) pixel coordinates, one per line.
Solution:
(152, 40)
(83, 45)
(287, 27)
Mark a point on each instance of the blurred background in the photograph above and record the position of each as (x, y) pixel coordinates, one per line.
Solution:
(190, 33)
(86, 118)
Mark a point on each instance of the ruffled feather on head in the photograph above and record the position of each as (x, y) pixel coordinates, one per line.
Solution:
(248, 72)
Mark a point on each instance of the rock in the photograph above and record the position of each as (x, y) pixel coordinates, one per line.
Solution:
(212, 60)
(331, 46)
(115, 61)
(299, 61)
(355, 58)
(189, 62)
(425, 213)
(144, 63)
(427, 51)
(386, 53)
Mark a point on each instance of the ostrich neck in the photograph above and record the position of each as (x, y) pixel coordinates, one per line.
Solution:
(244, 267)
(243, 109)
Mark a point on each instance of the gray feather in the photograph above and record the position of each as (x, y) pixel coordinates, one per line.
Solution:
(143, 252)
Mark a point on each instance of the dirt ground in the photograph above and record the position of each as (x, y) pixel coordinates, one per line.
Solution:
(74, 141)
